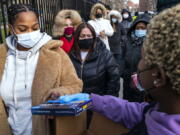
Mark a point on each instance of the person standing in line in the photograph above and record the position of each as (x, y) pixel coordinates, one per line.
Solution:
(115, 41)
(159, 75)
(94, 64)
(127, 20)
(101, 25)
(131, 56)
(66, 22)
(32, 70)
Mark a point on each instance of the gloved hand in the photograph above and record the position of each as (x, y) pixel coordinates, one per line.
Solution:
(74, 98)
(71, 98)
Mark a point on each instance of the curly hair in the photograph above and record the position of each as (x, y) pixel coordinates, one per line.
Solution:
(162, 45)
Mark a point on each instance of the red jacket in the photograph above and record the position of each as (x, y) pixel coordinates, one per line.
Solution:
(67, 45)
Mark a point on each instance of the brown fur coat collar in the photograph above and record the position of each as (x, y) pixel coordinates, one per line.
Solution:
(54, 73)
(59, 24)
(94, 9)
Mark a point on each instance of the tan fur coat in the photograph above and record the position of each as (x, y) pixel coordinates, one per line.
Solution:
(54, 72)
(60, 21)
(94, 9)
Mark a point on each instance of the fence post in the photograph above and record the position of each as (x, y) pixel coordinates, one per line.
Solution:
(76, 5)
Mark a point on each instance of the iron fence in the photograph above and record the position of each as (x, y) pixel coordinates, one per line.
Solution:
(47, 10)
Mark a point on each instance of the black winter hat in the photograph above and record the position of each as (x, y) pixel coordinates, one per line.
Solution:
(125, 10)
(141, 18)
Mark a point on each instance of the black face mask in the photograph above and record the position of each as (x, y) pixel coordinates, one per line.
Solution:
(85, 43)
(98, 15)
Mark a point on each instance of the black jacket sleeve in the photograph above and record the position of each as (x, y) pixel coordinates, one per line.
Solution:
(113, 76)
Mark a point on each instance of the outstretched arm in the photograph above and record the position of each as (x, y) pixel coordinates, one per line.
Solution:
(118, 110)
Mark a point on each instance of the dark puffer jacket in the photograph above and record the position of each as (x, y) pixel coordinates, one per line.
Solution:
(115, 41)
(99, 72)
(132, 54)
(126, 23)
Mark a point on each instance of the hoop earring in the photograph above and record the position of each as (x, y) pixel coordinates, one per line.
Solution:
(155, 82)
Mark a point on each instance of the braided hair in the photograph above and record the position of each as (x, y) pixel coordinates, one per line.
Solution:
(15, 9)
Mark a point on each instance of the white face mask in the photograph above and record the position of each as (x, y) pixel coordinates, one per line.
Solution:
(29, 40)
(114, 20)
(125, 16)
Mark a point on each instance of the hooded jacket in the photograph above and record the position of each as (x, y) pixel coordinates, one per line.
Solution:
(60, 19)
(115, 13)
(101, 24)
(115, 41)
(94, 9)
(126, 22)
(130, 114)
(131, 49)
(132, 46)
(129, 18)
(54, 73)
(99, 72)
(16, 83)
(60, 24)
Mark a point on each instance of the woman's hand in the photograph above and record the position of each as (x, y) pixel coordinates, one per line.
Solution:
(102, 34)
(51, 95)
(54, 95)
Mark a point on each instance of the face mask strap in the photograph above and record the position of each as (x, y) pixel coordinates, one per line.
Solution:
(14, 33)
(138, 85)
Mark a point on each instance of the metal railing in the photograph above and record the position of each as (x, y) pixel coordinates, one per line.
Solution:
(47, 10)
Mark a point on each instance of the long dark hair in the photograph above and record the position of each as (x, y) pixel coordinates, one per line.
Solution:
(77, 34)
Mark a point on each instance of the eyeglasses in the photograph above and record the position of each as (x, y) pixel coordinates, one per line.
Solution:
(144, 70)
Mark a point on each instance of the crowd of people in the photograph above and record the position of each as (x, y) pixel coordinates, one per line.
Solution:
(91, 57)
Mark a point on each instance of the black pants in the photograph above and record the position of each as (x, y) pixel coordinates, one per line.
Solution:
(89, 117)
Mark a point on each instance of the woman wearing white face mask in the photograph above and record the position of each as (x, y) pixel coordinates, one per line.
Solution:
(32, 70)
(131, 55)
(115, 41)
(127, 19)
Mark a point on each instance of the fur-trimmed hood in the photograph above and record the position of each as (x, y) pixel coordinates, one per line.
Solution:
(59, 23)
(115, 13)
(95, 7)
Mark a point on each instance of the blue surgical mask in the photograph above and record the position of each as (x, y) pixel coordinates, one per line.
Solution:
(140, 33)
(29, 40)
(114, 20)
